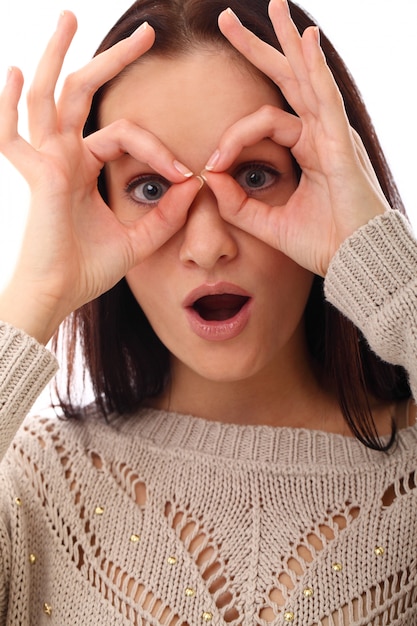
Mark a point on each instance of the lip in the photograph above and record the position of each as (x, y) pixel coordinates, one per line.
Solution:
(217, 330)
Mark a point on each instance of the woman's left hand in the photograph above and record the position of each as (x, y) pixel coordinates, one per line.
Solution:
(338, 191)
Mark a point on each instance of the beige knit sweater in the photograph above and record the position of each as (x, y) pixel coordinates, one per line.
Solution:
(165, 519)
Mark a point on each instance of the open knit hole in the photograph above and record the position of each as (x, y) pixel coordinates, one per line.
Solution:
(401, 487)
(140, 595)
(390, 600)
(96, 460)
(108, 571)
(130, 482)
(383, 603)
(112, 581)
(304, 553)
(206, 554)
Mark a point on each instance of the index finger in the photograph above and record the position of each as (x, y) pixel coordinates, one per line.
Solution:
(126, 139)
(269, 122)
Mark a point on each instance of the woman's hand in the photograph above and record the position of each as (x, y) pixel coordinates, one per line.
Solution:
(74, 248)
(338, 190)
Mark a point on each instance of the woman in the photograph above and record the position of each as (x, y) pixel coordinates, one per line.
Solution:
(226, 484)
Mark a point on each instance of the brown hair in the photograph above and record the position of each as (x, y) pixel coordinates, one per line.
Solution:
(124, 358)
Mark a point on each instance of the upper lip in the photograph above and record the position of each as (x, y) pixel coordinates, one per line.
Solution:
(214, 289)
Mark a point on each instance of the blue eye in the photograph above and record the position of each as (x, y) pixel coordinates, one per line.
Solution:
(147, 189)
(256, 177)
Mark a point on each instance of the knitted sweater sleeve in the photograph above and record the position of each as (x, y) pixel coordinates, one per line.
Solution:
(25, 368)
(372, 280)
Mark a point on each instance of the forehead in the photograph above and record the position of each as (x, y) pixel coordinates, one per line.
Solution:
(197, 95)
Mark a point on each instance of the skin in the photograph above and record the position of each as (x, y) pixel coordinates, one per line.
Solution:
(181, 104)
(75, 247)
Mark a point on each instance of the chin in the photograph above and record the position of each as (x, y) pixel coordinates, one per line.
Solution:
(226, 370)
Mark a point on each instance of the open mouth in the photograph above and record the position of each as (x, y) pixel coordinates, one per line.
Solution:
(219, 307)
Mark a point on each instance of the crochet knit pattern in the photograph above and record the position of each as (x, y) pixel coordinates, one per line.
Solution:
(168, 519)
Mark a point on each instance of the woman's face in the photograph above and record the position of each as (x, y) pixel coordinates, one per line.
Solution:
(227, 306)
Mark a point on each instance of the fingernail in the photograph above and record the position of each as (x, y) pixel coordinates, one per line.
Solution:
(233, 14)
(183, 169)
(317, 31)
(201, 179)
(9, 73)
(140, 30)
(212, 161)
(61, 15)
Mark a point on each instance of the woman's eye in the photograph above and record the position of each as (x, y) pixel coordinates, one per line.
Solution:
(256, 177)
(147, 189)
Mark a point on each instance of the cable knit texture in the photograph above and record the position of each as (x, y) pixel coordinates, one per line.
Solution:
(170, 520)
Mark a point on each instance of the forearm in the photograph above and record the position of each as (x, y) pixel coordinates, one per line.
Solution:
(21, 309)
(25, 368)
(373, 280)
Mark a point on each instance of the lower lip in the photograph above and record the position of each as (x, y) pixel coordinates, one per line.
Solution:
(219, 330)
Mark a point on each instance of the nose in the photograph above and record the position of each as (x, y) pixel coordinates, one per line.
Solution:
(207, 238)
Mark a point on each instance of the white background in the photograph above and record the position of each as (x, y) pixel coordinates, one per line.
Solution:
(375, 37)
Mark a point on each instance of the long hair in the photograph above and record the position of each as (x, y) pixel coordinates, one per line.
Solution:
(125, 360)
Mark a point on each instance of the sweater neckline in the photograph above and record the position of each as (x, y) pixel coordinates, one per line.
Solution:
(282, 446)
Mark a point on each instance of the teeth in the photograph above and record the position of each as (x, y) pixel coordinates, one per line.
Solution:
(219, 307)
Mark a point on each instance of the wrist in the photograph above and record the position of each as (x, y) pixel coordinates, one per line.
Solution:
(32, 314)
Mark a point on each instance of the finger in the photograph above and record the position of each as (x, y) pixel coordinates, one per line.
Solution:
(257, 218)
(291, 74)
(265, 57)
(78, 90)
(41, 96)
(123, 137)
(268, 122)
(300, 92)
(288, 37)
(327, 93)
(15, 149)
(9, 100)
(155, 228)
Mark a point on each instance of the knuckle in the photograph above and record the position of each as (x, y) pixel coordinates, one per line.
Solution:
(37, 93)
(71, 82)
(32, 95)
(122, 126)
(73, 78)
(268, 112)
(7, 138)
(122, 129)
(77, 82)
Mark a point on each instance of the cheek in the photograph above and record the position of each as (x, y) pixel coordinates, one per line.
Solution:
(153, 289)
(290, 286)
(143, 284)
(151, 282)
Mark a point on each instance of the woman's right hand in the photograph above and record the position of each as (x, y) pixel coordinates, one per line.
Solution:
(74, 248)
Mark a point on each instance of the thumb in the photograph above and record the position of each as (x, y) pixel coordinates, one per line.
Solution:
(259, 219)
